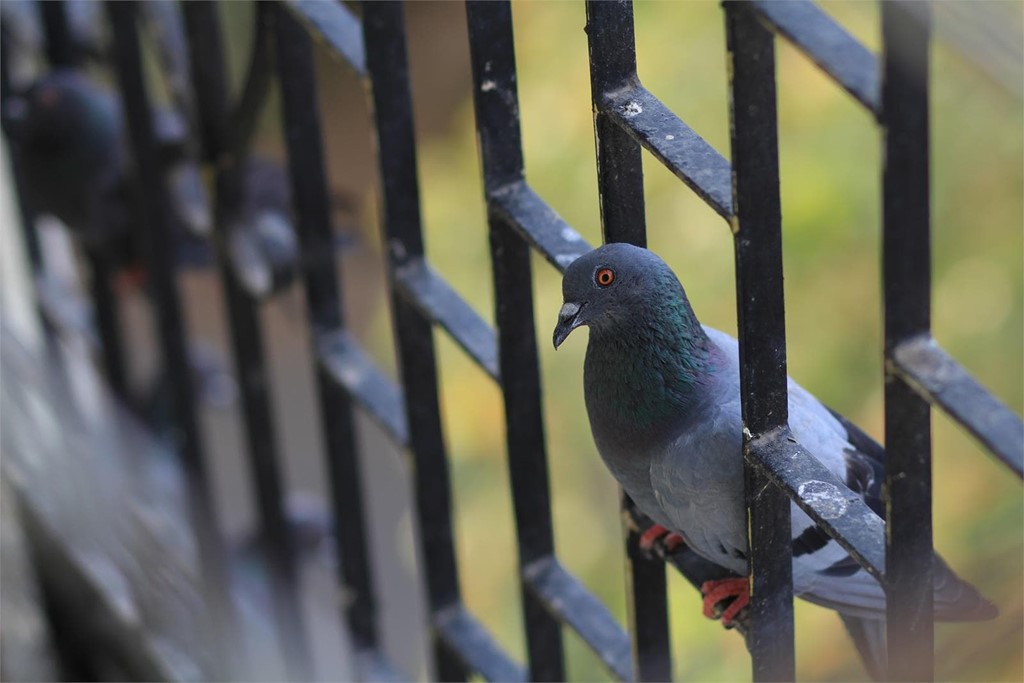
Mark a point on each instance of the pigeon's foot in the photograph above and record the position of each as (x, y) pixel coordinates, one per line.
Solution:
(722, 589)
(670, 539)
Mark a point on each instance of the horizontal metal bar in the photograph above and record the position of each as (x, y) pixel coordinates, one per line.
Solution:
(835, 508)
(466, 638)
(827, 44)
(675, 144)
(565, 597)
(439, 303)
(349, 367)
(938, 378)
(337, 26)
(529, 215)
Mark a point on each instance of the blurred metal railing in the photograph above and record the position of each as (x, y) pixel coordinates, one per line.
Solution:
(628, 119)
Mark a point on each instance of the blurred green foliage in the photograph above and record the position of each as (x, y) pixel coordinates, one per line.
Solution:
(831, 160)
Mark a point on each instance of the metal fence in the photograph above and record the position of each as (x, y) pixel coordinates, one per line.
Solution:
(628, 119)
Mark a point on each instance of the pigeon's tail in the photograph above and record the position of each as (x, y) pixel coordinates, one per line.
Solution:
(869, 637)
(858, 594)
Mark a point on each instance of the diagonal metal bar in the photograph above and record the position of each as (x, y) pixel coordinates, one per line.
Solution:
(523, 209)
(939, 379)
(337, 26)
(439, 303)
(565, 597)
(462, 635)
(835, 508)
(827, 44)
(648, 121)
(347, 365)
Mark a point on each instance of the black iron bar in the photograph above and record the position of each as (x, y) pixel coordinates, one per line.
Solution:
(643, 117)
(171, 327)
(60, 43)
(537, 223)
(297, 81)
(349, 367)
(467, 640)
(612, 44)
(26, 214)
(210, 84)
(939, 379)
(245, 114)
(906, 264)
(827, 44)
(387, 66)
(621, 186)
(107, 318)
(757, 227)
(62, 52)
(492, 55)
(438, 302)
(841, 513)
(563, 595)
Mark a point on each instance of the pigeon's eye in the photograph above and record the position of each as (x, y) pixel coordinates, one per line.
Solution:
(604, 276)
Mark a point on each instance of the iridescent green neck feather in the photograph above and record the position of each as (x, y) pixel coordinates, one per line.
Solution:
(645, 366)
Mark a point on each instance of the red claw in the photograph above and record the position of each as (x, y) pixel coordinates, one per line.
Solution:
(716, 591)
(671, 539)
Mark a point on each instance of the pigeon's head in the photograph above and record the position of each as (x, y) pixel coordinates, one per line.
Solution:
(614, 287)
(66, 113)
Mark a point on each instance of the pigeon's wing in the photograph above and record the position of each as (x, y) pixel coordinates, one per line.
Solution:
(823, 572)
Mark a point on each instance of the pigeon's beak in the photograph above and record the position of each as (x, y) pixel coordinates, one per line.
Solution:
(568, 320)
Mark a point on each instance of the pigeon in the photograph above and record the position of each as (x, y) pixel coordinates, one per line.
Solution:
(263, 248)
(663, 397)
(73, 153)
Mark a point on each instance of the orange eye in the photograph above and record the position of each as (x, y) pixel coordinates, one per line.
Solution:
(604, 276)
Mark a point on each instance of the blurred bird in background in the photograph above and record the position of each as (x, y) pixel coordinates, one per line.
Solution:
(75, 160)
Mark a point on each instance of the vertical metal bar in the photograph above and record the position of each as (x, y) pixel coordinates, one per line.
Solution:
(60, 44)
(210, 83)
(61, 52)
(757, 228)
(108, 319)
(497, 119)
(297, 80)
(172, 333)
(906, 283)
(387, 65)
(621, 185)
(612, 46)
(25, 212)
